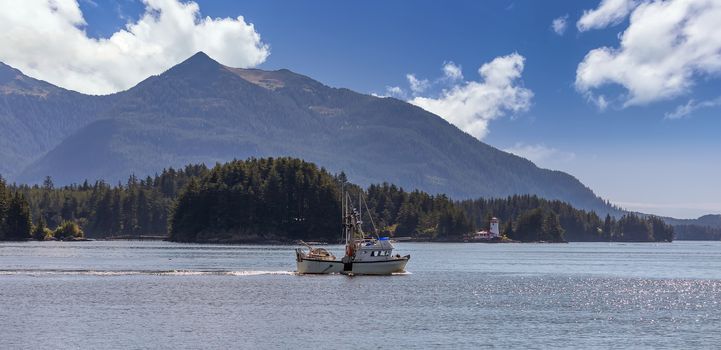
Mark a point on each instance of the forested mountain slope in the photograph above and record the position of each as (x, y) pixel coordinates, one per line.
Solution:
(202, 111)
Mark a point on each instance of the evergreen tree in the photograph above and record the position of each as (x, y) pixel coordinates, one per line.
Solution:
(633, 228)
(608, 228)
(48, 184)
(18, 226)
(660, 231)
(4, 203)
(529, 226)
(408, 220)
(143, 213)
(552, 230)
(128, 213)
(69, 208)
(182, 227)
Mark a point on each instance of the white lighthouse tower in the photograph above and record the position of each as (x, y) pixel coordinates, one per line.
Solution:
(495, 232)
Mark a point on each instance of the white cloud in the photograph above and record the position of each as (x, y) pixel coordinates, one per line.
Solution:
(47, 40)
(452, 71)
(609, 12)
(394, 91)
(667, 45)
(540, 154)
(471, 105)
(559, 24)
(417, 85)
(685, 110)
(599, 100)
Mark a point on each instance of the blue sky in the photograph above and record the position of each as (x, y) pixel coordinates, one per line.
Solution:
(632, 153)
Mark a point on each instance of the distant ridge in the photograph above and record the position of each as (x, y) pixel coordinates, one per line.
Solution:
(202, 111)
(710, 220)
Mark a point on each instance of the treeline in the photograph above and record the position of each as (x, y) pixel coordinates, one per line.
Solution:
(15, 221)
(284, 199)
(258, 200)
(416, 214)
(420, 215)
(697, 233)
(140, 207)
(524, 218)
(576, 225)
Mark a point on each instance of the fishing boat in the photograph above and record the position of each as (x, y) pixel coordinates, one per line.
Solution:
(364, 255)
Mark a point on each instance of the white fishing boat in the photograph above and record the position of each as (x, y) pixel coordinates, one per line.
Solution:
(363, 255)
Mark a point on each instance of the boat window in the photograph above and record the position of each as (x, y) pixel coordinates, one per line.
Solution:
(373, 253)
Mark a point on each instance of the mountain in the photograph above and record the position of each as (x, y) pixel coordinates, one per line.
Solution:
(202, 111)
(36, 116)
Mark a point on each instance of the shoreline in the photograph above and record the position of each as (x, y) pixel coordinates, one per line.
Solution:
(322, 243)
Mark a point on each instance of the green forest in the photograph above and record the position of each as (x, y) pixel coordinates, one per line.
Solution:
(276, 200)
(697, 232)
(525, 218)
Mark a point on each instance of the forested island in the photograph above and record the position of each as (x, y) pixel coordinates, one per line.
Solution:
(279, 200)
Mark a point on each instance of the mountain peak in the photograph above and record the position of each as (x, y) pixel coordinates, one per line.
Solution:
(198, 64)
(200, 59)
(200, 56)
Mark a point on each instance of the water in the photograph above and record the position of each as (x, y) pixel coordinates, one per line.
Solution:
(129, 295)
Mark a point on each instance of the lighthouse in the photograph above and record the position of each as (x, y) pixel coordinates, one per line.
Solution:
(495, 232)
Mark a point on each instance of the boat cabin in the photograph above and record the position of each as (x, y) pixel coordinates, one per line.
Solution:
(373, 249)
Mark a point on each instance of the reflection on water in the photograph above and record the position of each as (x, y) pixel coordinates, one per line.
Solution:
(164, 295)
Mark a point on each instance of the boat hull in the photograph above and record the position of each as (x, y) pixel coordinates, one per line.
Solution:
(379, 267)
(308, 266)
(385, 267)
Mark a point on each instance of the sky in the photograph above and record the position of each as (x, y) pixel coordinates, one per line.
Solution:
(623, 94)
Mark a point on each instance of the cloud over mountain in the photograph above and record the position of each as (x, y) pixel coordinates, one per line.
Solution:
(49, 42)
(541, 155)
(471, 105)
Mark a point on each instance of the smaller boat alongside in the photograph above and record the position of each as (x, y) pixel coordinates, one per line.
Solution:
(363, 255)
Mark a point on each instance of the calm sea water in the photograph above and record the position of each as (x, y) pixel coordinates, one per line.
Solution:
(128, 295)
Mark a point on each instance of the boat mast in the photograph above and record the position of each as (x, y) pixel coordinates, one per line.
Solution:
(360, 212)
(348, 219)
(343, 216)
(370, 216)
